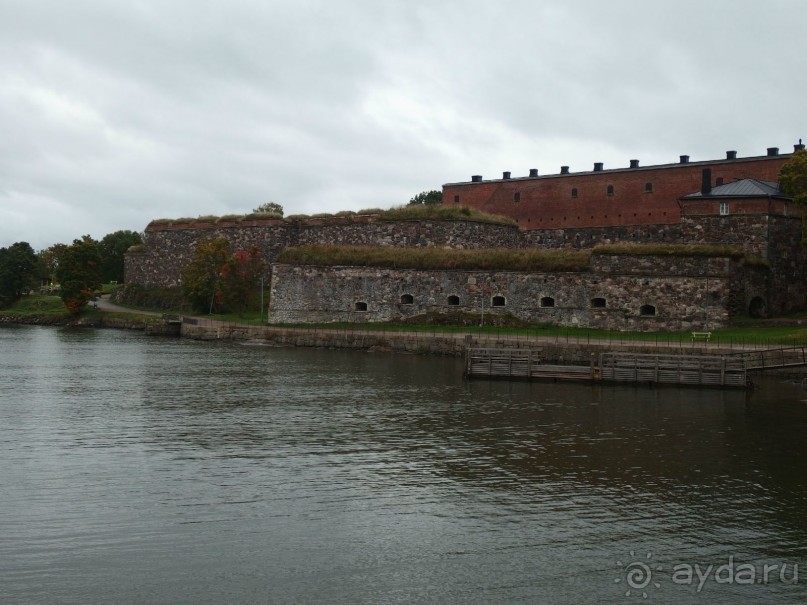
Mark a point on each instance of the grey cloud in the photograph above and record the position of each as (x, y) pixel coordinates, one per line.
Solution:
(117, 113)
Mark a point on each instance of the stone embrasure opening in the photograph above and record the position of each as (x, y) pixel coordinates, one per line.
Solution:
(647, 310)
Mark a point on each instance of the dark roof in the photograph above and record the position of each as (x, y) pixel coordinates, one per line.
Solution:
(742, 188)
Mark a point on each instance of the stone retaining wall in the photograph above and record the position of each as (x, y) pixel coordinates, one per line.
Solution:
(618, 293)
(558, 350)
(167, 249)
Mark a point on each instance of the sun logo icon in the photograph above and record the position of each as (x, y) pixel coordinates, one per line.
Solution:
(638, 575)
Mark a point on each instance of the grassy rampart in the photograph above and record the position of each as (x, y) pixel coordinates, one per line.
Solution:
(489, 259)
(402, 213)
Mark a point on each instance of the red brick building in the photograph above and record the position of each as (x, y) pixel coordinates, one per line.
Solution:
(636, 195)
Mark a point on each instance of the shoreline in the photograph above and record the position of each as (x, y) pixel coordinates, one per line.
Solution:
(555, 349)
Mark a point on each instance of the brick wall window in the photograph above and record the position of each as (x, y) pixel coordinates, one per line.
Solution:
(456, 199)
(724, 208)
(517, 197)
(718, 181)
(648, 187)
(609, 190)
(574, 191)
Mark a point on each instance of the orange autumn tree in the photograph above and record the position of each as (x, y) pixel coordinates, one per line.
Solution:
(218, 280)
(240, 277)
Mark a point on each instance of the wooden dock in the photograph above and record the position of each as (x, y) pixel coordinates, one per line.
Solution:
(724, 370)
(520, 364)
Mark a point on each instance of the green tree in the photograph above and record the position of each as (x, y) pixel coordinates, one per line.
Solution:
(113, 246)
(18, 269)
(49, 260)
(793, 177)
(78, 270)
(239, 279)
(427, 198)
(793, 180)
(269, 208)
(201, 278)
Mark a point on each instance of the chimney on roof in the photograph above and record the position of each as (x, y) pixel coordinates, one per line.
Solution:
(477, 178)
(684, 159)
(772, 151)
(505, 175)
(634, 163)
(533, 172)
(706, 181)
(798, 147)
(564, 170)
(731, 155)
(597, 166)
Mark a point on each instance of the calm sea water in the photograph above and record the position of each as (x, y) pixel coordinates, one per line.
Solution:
(148, 470)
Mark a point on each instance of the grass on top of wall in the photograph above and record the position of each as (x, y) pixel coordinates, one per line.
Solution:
(434, 212)
(488, 259)
(669, 250)
(440, 212)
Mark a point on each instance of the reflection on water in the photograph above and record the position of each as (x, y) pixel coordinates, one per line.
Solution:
(144, 470)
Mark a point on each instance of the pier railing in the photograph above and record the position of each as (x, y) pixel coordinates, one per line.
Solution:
(707, 370)
(768, 359)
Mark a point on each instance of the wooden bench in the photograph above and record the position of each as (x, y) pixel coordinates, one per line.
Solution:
(704, 336)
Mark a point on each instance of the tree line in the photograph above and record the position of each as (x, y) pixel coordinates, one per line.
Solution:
(78, 268)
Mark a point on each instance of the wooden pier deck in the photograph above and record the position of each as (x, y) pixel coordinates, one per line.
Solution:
(719, 370)
(523, 364)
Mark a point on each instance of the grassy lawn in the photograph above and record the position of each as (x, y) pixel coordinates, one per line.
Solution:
(734, 335)
(38, 305)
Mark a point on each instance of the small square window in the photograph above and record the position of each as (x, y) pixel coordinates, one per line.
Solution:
(724, 208)
(456, 199)
(648, 187)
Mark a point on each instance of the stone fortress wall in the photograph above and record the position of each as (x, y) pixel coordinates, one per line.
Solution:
(609, 296)
(168, 248)
(618, 291)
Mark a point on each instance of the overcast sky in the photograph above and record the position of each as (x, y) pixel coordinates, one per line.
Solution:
(114, 113)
